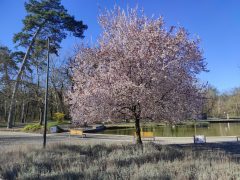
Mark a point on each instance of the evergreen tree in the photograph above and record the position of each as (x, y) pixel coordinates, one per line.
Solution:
(44, 19)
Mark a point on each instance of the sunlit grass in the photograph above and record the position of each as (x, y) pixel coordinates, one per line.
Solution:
(36, 127)
(105, 161)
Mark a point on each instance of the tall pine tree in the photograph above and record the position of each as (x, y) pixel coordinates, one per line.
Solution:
(44, 19)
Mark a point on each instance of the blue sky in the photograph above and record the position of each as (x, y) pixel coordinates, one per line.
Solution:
(216, 22)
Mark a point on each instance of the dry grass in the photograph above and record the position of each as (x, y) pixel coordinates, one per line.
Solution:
(109, 161)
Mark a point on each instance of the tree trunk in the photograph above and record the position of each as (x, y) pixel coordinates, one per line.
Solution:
(25, 114)
(137, 114)
(15, 113)
(22, 113)
(32, 114)
(5, 110)
(41, 116)
(138, 130)
(9, 124)
(59, 94)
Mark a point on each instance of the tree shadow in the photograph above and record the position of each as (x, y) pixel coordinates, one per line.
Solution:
(227, 147)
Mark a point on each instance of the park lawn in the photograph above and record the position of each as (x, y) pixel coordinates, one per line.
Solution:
(117, 161)
(17, 126)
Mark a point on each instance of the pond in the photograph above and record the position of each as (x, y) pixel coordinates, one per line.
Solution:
(213, 129)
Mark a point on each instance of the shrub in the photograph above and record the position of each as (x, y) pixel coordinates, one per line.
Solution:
(32, 127)
(59, 117)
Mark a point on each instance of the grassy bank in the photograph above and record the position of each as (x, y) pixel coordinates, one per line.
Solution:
(36, 127)
(100, 161)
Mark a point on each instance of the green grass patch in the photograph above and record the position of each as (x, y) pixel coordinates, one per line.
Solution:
(36, 127)
(55, 123)
(32, 127)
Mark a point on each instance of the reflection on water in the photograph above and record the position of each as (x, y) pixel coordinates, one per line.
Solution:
(214, 129)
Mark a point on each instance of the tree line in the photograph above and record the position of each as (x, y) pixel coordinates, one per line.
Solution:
(29, 99)
(22, 79)
(222, 105)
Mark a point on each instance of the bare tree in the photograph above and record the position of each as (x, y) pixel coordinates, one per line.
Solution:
(8, 68)
(138, 69)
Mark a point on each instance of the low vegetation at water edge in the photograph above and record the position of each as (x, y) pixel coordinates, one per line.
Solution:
(105, 161)
(36, 127)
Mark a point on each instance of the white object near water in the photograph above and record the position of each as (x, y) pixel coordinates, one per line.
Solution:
(198, 139)
(54, 129)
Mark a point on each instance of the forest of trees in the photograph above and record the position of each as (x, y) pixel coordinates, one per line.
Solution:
(29, 101)
(222, 105)
(22, 73)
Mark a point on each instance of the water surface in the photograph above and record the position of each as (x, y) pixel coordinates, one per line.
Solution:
(214, 129)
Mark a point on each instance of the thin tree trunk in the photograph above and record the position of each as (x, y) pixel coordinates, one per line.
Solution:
(51, 111)
(61, 101)
(41, 116)
(15, 113)
(32, 115)
(25, 114)
(40, 107)
(22, 113)
(60, 97)
(9, 124)
(5, 110)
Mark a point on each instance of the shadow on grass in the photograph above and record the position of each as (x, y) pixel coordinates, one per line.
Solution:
(232, 148)
(69, 175)
(126, 161)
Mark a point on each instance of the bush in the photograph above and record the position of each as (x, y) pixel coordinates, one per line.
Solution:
(59, 117)
(36, 127)
(32, 127)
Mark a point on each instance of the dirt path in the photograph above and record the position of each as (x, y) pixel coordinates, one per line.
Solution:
(19, 138)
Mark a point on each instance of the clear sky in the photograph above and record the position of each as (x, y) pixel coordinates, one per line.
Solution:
(216, 22)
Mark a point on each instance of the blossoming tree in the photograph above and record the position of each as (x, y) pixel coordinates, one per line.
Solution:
(139, 70)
